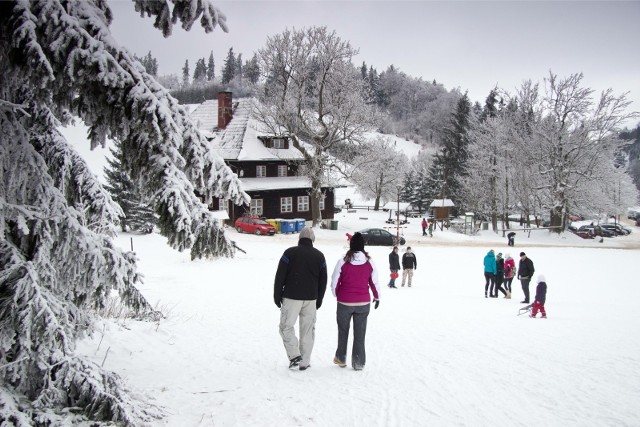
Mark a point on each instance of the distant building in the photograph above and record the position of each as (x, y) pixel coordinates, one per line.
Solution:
(268, 165)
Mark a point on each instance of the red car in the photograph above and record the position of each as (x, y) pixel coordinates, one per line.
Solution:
(254, 225)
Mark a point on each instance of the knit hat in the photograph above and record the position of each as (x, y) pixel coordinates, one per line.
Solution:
(523, 254)
(507, 255)
(541, 278)
(499, 255)
(307, 233)
(357, 243)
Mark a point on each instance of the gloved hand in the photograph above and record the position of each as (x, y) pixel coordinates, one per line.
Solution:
(318, 304)
(278, 302)
(376, 303)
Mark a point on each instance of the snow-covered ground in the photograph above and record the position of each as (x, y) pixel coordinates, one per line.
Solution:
(438, 354)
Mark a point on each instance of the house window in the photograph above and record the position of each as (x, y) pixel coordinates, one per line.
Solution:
(322, 202)
(282, 170)
(303, 203)
(277, 143)
(256, 207)
(286, 204)
(261, 171)
(222, 204)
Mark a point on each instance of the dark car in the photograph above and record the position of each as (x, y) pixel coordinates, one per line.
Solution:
(379, 237)
(617, 229)
(336, 209)
(254, 225)
(597, 230)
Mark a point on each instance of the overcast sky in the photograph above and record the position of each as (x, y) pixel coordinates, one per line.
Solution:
(473, 45)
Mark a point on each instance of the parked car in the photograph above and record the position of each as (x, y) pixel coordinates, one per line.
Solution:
(597, 232)
(379, 237)
(585, 234)
(618, 229)
(254, 225)
(633, 214)
(575, 217)
(336, 209)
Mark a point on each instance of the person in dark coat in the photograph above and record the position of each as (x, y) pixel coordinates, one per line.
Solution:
(394, 266)
(541, 298)
(525, 273)
(500, 275)
(409, 264)
(512, 237)
(298, 290)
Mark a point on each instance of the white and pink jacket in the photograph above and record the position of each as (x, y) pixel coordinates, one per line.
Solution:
(351, 281)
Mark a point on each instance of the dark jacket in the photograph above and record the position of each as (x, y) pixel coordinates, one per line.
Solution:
(301, 275)
(500, 268)
(525, 269)
(541, 292)
(394, 261)
(409, 261)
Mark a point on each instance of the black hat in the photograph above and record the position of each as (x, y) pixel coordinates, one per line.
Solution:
(357, 243)
(522, 254)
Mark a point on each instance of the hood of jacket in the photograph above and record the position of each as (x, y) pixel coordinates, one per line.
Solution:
(359, 258)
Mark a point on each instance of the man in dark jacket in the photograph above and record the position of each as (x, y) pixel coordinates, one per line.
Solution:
(409, 263)
(525, 273)
(298, 290)
(394, 266)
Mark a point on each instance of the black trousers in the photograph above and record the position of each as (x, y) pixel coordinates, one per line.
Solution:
(525, 289)
(359, 314)
(507, 283)
(499, 285)
(489, 279)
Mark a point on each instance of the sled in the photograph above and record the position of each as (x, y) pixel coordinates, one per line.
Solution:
(525, 309)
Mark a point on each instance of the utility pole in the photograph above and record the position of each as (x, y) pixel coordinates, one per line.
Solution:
(398, 216)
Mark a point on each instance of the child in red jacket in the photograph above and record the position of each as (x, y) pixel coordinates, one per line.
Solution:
(541, 297)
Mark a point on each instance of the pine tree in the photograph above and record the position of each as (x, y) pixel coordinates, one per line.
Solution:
(239, 71)
(58, 261)
(449, 163)
(185, 74)
(211, 73)
(229, 70)
(252, 70)
(136, 215)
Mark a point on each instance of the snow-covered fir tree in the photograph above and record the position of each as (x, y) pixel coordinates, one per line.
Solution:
(58, 262)
(211, 68)
(136, 214)
(229, 70)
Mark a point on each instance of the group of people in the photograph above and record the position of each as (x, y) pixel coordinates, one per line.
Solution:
(409, 264)
(498, 271)
(299, 288)
(427, 225)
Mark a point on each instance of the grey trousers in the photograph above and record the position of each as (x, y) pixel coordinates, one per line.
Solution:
(290, 311)
(359, 313)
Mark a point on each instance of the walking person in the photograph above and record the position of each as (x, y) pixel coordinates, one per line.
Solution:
(509, 274)
(394, 266)
(353, 277)
(409, 264)
(490, 271)
(525, 273)
(424, 226)
(298, 290)
(431, 227)
(500, 275)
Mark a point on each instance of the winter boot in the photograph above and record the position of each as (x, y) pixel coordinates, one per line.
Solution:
(339, 362)
(508, 295)
(295, 361)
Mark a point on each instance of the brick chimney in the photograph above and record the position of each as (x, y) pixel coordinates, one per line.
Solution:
(224, 109)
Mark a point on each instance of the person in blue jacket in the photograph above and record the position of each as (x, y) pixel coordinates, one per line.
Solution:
(490, 271)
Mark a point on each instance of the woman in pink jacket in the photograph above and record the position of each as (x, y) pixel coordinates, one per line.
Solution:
(352, 278)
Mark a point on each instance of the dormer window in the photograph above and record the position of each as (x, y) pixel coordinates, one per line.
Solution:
(277, 142)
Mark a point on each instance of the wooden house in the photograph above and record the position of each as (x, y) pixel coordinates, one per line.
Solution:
(268, 166)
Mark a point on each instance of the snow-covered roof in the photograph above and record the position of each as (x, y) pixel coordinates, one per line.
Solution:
(239, 141)
(276, 183)
(442, 203)
(394, 205)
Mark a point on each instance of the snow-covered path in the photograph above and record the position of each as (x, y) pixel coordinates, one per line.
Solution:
(438, 353)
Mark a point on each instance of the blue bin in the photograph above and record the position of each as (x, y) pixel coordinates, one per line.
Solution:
(287, 226)
(299, 224)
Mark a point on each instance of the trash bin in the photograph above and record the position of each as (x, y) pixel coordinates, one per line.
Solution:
(334, 224)
(275, 223)
(299, 224)
(287, 226)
